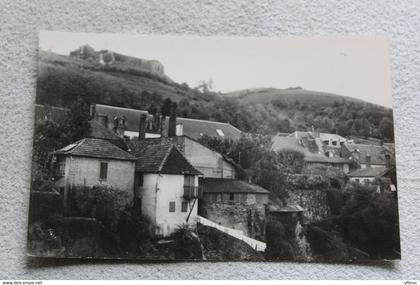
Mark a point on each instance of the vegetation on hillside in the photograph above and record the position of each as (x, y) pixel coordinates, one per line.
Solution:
(62, 79)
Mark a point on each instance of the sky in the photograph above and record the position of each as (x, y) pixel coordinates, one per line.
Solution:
(356, 66)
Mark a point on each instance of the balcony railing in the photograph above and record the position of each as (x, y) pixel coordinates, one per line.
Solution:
(191, 192)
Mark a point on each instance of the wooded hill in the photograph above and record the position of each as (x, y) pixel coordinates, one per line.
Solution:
(61, 79)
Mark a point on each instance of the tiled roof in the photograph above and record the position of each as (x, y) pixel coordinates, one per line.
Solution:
(96, 148)
(219, 185)
(160, 156)
(322, 136)
(368, 172)
(100, 132)
(132, 116)
(195, 129)
(309, 149)
(287, 143)
(377, 153)
(285, 209)
(324, 159)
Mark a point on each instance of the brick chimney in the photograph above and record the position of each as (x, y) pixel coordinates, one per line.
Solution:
(172, 121)
(179, 129)
(387, 160)
(368, 161)
(92, 111)
(142, 127)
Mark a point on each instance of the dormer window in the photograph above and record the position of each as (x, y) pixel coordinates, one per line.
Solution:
(220, 133)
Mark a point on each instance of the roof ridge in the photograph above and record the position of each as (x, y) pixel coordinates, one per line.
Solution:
(201, 120)
(79, 143)
(168, 152)
(116, 107)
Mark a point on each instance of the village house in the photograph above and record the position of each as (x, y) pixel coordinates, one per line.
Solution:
(94, 162)
(225, 200)
(235, 204)
(365, 175)
(312, 149)
(126, 122)
(166, 185)
(368, 155)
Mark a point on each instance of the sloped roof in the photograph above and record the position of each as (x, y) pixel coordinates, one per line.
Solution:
(309, 149)
(333, 137)
(132, 116)
(287, 143)
(322, 136)
(369, 172)
(163, 158)
(285, 209)
(96, 148)
(50, 113)
(100, 132)
(195, 129)
(325, 159)
(178, 141)
(377, 153)
(219, 185)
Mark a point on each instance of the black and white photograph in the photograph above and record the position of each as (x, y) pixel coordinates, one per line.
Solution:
(193, 148)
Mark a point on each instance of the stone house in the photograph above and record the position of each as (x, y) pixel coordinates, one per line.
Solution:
(166, 185)
(219, 179)
(313, 150)
(368, 155)
(235, 204)
(94, 162)
(365, 175)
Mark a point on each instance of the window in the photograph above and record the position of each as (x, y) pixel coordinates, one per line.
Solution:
(60, 168)
(140, 179)
(184, 206)
(103, 173)
(171, 207)
(231, 197)
(189, 180)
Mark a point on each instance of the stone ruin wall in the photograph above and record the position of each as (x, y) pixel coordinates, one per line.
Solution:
(247, 218)
(314, 202)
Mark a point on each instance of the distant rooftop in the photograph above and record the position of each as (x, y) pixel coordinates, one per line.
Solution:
(368, 172)
(95, 148)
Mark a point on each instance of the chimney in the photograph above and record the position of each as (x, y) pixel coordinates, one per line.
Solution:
(387, 160)
(92, 111)
(368, 161)
(172, 121)
(142, 127)
(179, 129)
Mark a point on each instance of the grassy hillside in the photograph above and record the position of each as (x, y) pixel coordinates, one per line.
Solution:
(62, 79)
(289, 96)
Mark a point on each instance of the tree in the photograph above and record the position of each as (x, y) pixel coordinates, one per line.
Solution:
(77, 124)
(108, 57)
(166, 107)
(386, 127)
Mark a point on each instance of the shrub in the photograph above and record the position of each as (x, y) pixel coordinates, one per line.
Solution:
(103, 203)
(279, 246)
(187, 244)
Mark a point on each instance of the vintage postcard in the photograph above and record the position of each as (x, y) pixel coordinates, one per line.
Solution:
(213, 148)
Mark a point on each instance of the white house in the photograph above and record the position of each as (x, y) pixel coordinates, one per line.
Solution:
(166, 186)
